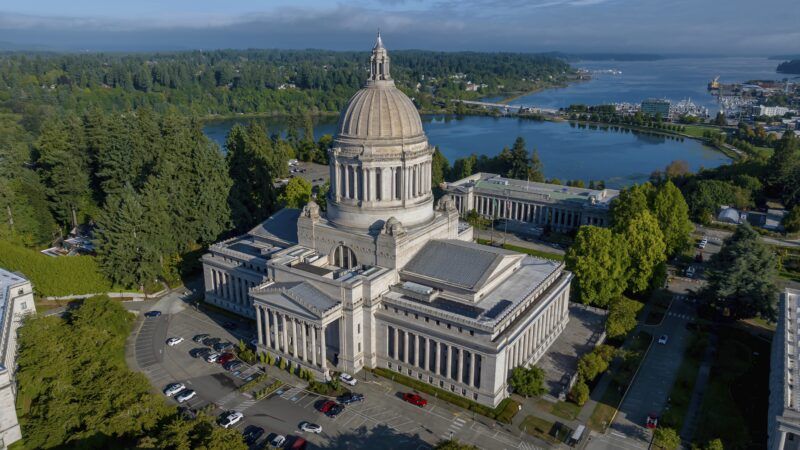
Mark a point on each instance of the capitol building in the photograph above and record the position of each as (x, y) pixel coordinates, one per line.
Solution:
(385, 277)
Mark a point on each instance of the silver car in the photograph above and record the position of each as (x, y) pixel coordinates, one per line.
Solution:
(185, 395)
(173, 389)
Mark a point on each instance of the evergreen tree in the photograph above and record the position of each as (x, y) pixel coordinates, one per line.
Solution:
(535, 168)
(251, 165)
(741, 276)
(440, 168)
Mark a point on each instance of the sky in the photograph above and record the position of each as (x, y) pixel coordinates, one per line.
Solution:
(719, 27)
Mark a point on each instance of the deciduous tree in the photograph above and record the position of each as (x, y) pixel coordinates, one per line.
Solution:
(672, 213)
(600, 262)
(646, 250)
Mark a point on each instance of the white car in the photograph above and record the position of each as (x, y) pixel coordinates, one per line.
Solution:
(231, 419)
(173, 389)
(173, 341)
(663, 339)
(346, 378)
(278, 441)
(185, 395)
(311, 427)
(212, 357)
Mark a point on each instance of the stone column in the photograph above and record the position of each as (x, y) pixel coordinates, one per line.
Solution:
(259, 326)
(405, 347)
(322, 348)
(303, 324)
(416, 350)
(460, 365)
(294, 336)
(285, 336)
(449, 361)
(314, 345)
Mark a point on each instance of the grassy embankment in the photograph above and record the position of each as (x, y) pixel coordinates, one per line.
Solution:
(529, 251)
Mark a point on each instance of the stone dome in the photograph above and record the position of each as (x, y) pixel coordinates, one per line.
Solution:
(380, 111)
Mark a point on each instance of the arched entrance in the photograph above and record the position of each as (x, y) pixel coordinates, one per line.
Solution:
(344, 257)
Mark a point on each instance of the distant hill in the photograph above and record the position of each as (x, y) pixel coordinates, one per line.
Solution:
(606, 56)
(791, 67)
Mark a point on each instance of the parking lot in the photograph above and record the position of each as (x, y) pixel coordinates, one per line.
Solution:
(383, 420)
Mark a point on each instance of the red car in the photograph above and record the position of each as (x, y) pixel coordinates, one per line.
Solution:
(325, 407)
(652, 421)
(225, 358)
(414, 399)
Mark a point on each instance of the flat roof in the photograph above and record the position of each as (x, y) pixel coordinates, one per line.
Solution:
(494, 184)
(281, 227)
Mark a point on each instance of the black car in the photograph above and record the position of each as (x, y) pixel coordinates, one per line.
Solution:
(350, 397)
(232, 365)
(201, 352)
(152, 313)
(210, 341)
(199, 338)
(223, 346)
(229, 325)
(251, 434)
(335, 410)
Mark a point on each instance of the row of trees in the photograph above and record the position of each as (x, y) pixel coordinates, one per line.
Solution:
(515, 162)
(73, 398)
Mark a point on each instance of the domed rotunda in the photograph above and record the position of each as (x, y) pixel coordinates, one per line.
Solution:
(380, 161)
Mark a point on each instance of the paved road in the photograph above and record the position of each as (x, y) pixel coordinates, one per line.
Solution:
(382, 421)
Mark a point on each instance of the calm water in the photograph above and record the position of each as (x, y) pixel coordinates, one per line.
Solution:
(675, 79)
(567, 152)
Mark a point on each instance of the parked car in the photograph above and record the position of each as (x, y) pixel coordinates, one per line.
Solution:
(173, 389)
(348, 379)
(230, 418)
(200, 352)
(210, 341)
(184, 395)
(298, 444)
(152, 313)
(233, 365)
(225, 357)
(251, 434)
(663, 339)
(212, 357)
(310, 427)
(326, 406)
(278, 441)
(173, 341)
(199, 338)
(652, 421)
(335, 410)
(223, 346)
(350, 397)
(414, 399)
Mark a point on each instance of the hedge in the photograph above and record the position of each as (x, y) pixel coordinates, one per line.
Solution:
(260, 378)
(54, 276)
(261, 393)
(504, 412)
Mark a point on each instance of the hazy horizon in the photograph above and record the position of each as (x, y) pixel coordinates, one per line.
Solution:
(676, 27)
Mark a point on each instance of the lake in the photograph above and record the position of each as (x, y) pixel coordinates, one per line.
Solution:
(674, 79)
(619, 156)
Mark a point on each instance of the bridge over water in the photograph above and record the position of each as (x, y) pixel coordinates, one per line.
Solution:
(507, 107)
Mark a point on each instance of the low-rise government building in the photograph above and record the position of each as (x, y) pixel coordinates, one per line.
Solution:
(561, 208)
(784, 376)
(16, 301)
(385, 277)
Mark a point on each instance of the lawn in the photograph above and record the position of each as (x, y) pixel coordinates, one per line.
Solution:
(681, 393)
(544, 429)
(609, 402)
(735, 404)
(698, 130)
(565, 410)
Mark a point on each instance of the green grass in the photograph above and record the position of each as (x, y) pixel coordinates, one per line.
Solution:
(612, 397)
(504, 412)
(538, 427)
(565, 410)
(735, 403)
(681, 393)
(698, 130)
(529, 251)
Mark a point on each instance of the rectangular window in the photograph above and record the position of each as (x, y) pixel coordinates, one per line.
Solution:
(477, 382)
(359, 328)
(359, 347)
(24, 305)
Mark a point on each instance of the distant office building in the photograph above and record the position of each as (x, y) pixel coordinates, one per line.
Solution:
(784, 390)
(16, 301)
(654, 107)
(562, 208)
(771, 111)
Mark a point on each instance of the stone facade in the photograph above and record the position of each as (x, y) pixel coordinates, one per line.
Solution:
(784, 391)
(562, 208)
(383, 278)
(16, 301)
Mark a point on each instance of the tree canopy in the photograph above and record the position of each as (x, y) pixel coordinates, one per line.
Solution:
(646, 249)
(672, 213)
(527, 381)
(600, 262)
(296, 193)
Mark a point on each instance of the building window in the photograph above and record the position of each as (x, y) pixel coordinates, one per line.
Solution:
(475, 396)
(409, 371)
(463, 391)
(448, 326)
(472, 332)
(359, 347)
(419, 376)
(359, 328)
(452, 388)
(20, 291)
(24, 305)
(390, 365)
(430, 379)
(441, 383)
(427, 319)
